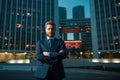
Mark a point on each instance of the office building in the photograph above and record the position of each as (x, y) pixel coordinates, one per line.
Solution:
(78, 12)
(77, 36)
(105, 23)
(22, 23)
(62, 13)
(77, 30)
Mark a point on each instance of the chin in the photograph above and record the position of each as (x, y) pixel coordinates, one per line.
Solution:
(50, 35)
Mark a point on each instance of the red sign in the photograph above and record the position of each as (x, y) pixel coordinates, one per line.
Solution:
(73, 44)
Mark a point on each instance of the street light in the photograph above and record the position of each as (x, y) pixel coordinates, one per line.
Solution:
(81, 54)
(99, 54)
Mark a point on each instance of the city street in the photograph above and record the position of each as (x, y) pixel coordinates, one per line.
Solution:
(71, 74)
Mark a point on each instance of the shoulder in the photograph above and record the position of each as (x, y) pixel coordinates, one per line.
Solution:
(59, 40)
(40, 41)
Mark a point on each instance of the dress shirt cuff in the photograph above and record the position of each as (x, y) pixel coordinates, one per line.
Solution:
(49, 54)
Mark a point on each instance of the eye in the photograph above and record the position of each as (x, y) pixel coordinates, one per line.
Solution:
(48, 28)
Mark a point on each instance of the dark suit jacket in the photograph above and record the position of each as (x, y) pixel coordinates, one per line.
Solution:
(57, 53)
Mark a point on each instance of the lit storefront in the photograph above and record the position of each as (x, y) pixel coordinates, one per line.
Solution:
(6, 56)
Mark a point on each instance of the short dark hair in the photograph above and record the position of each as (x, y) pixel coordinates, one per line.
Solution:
(50, 23)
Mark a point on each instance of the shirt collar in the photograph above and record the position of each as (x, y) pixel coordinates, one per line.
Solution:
(49, 38)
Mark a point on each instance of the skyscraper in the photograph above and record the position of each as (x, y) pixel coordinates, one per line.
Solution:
(62, 13)
(105, 21)
(22, 23)
(78, 12)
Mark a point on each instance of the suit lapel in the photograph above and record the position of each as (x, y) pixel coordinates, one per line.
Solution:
(52, 47)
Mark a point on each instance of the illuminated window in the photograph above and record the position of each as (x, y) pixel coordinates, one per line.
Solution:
(33, 45)
(27, 45)
(5, 38)
(116, 43)
(70, 36)
(18, 25)
(114, 17)
(119, 4)
(28, 14)
(115, 37)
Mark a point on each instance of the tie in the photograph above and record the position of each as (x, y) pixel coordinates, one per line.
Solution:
(51, 42)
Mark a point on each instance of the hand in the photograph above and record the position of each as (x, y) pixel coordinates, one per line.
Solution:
(45, 53)
(61, 51)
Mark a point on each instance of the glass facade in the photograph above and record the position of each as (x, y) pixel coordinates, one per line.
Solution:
(22, 23)
(62, 13)
(78, 12)
(105, 18)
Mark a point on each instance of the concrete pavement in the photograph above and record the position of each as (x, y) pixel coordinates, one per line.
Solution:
(26, 71)
(71, 74)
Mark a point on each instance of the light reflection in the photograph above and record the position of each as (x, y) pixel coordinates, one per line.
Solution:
(11, 61)
(106, 60)
(6, 53)
(19, 61)
(95, 60)
(116, 61)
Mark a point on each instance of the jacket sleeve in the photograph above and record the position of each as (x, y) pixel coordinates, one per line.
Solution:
(62, 51)
(39, 54)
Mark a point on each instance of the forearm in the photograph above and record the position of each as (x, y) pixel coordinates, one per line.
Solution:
(58, 55)
(43, 59)
(40, 56)
(61, 54)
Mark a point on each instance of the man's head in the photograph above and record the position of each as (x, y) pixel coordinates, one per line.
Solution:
(50, 29)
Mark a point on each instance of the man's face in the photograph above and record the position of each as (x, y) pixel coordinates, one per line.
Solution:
(50, 30)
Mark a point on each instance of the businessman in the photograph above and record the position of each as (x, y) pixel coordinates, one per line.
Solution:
(50, 52)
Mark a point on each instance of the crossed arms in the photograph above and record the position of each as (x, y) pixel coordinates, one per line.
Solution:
(50, 57)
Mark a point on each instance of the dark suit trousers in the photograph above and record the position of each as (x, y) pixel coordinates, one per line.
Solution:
(50, 76)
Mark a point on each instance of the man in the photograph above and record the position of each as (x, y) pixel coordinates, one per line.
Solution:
(50, 52)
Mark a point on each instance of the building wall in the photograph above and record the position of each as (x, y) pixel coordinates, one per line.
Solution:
(105, 19)
(22, 23)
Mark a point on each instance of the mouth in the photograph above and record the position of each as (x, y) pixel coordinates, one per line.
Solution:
(50, 34)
